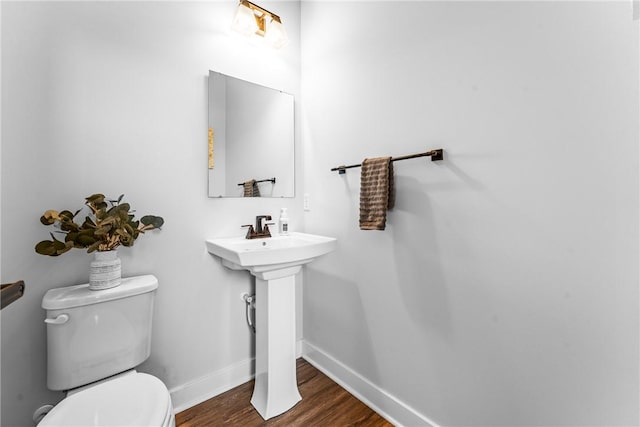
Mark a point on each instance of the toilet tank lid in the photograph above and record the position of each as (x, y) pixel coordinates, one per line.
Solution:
(80, 295)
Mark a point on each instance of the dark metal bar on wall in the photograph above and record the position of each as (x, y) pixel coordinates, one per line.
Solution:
(435, 155)
(271, 180)
(11, 292)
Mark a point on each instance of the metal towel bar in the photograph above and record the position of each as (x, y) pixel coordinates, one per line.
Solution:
(434, 154)
(272, 180)
(10, 292)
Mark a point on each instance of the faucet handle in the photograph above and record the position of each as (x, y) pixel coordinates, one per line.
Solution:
(250, 231)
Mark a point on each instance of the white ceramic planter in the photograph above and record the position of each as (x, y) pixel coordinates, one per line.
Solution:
(105, 271)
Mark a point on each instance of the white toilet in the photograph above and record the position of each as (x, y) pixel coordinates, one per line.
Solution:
(94, 340)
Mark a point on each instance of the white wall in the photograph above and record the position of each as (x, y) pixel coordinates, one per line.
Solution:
(112, 97)
(504, 290)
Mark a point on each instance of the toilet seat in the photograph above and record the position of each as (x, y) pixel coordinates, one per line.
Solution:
(131, 400)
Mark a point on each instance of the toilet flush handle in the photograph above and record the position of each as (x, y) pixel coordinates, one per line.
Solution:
(62, 318)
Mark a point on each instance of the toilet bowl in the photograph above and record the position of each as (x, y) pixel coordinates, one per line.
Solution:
(132, 399)
(95, 339)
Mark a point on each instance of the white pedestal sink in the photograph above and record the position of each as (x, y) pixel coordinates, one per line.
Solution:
(274, 261)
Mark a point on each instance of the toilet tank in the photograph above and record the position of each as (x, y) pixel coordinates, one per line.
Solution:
(92, 335)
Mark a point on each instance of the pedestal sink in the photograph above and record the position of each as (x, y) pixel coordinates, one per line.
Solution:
(274, 261)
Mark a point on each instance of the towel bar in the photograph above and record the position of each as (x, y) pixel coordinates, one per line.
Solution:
(272, 180)
(435, 155)
(10, 292)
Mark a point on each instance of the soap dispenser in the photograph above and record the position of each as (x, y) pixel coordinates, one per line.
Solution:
(284, 222)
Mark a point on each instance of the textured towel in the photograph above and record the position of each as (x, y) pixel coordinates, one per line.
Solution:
(251, 188)
(376, 192)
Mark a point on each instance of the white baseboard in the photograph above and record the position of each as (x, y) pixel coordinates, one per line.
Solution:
(388, 406)
(197, 391)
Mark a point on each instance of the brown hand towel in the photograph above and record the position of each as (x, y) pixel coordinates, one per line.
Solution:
(376, 192)
(251, 188)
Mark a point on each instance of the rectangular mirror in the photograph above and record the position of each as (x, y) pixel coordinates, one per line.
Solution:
(251, 139)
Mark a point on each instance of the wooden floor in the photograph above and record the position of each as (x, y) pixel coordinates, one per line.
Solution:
(324, 403)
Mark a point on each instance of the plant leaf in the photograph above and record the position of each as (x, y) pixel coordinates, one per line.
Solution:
(58, 245)
(88, 223)
(95, 198)
(65, 215)
(86, 238)
(152, 220)
(49, 217)
(46, 247)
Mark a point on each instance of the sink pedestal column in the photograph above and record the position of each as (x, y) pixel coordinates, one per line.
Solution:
(276, 388)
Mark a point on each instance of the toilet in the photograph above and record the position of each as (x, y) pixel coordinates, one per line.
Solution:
(95, 339)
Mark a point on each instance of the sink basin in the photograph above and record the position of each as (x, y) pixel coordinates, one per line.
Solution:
(271, 253)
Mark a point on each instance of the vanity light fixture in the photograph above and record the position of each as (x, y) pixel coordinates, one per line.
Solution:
(256, 22)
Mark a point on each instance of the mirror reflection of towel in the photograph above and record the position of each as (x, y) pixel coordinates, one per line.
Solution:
(376, 192)
(251, 188)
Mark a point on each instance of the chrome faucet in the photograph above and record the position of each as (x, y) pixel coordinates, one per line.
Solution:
(262, 228)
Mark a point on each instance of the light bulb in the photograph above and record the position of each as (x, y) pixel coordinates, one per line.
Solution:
(275, 35)
(244, 21)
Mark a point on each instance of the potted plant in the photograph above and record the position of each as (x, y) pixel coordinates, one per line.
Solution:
(110, 224)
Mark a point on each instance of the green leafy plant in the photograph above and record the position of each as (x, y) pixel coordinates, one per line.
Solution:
(110, 224)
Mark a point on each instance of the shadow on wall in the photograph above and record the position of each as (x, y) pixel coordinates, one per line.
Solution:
(420, 275)
(331, 304)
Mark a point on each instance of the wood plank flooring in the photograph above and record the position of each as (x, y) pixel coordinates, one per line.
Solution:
(324, 403)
